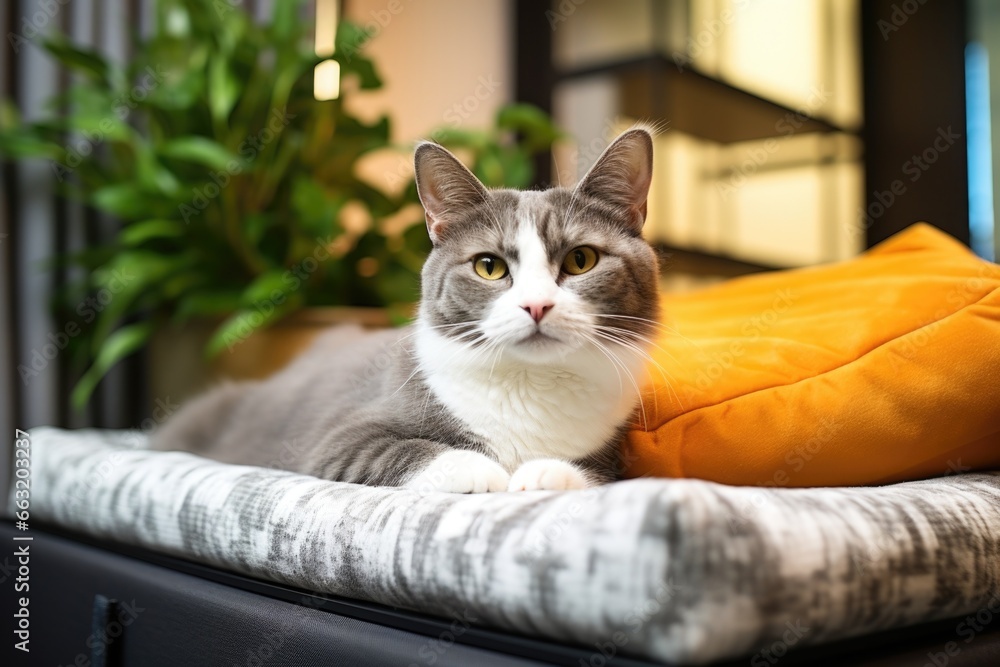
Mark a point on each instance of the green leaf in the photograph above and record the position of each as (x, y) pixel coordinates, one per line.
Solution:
(285, 22)
(119, 345)
(20, 144)
(140, 232)
(122, 281)
(125, 200)
(10, 117)
(208, 303)
(152, 175)
(200, 150)
(489, 168)
(315, 210)
(518, 170)
(364, 69)
(457, 138)
(254, 226)
(242, 324)
(80, 59)
(223, 88)
(535, 127)
(268, 287)
(100, 127)
(182, 63)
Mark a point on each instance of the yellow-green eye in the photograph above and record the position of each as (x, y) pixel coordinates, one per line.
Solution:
(579, 260)
(490, 267)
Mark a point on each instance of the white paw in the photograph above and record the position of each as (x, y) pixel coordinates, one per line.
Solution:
(547, 474)
(460, 471)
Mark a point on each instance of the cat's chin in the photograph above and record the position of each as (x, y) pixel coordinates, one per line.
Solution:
(541, 347)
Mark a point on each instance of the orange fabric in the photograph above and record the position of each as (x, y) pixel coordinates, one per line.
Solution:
(875, 370)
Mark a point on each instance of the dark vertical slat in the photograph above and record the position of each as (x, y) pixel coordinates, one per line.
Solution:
(914, 90)
(92, 234)
(13, 199)
(136, 369)
(132, 21)
(59, 276)
(534, 75)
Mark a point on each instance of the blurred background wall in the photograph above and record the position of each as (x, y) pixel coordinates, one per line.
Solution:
(793, 132)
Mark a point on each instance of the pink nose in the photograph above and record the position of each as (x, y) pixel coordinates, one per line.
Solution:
(537, 310)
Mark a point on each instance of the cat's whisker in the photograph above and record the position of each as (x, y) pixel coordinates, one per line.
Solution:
(635, 341)
(464, 346)
(601, 348)
(636, 336)
(635, 385)
(665, 327)
(500, 349)
(664, 374)
(470, 325)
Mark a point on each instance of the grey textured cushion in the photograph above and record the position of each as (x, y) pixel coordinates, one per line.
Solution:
(676, 570)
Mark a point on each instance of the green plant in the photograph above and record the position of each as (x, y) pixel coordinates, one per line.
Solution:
(231, 182)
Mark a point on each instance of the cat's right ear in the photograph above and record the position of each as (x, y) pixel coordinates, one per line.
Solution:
(623, 174)
(445, 187)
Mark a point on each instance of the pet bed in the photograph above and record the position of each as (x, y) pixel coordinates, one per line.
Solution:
(671, 570)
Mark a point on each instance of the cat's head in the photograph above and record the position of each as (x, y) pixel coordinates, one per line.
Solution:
(540, 274)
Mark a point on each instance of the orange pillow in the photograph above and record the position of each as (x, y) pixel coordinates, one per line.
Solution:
(874, 370)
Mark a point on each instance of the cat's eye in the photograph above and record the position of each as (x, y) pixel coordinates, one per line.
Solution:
(490, 267)
(580, 260)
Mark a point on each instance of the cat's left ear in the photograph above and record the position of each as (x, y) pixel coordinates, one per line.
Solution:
(622, 175)
(445, 187)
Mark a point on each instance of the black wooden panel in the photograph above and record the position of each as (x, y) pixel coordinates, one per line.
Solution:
(914, 109)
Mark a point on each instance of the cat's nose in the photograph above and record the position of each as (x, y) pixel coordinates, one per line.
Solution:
(538, 309)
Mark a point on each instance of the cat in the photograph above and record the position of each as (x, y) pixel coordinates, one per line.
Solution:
(521, 372)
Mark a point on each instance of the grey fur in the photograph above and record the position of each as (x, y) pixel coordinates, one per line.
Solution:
(357, 407)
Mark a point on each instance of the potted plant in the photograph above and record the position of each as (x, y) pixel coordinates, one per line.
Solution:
(236, 189)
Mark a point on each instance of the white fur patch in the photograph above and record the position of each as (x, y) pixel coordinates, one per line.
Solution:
(547, 475)
(460, 471)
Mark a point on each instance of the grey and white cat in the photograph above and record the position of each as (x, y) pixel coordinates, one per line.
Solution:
(521, 372)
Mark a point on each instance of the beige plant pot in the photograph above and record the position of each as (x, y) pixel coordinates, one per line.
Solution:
(180, 370)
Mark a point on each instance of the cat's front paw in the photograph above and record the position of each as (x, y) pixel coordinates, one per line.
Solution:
(547, 474)
(461, 471)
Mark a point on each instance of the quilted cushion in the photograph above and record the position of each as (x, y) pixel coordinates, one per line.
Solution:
(878, 369)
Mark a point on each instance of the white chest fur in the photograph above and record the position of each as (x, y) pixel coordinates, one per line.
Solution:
(526, 412)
